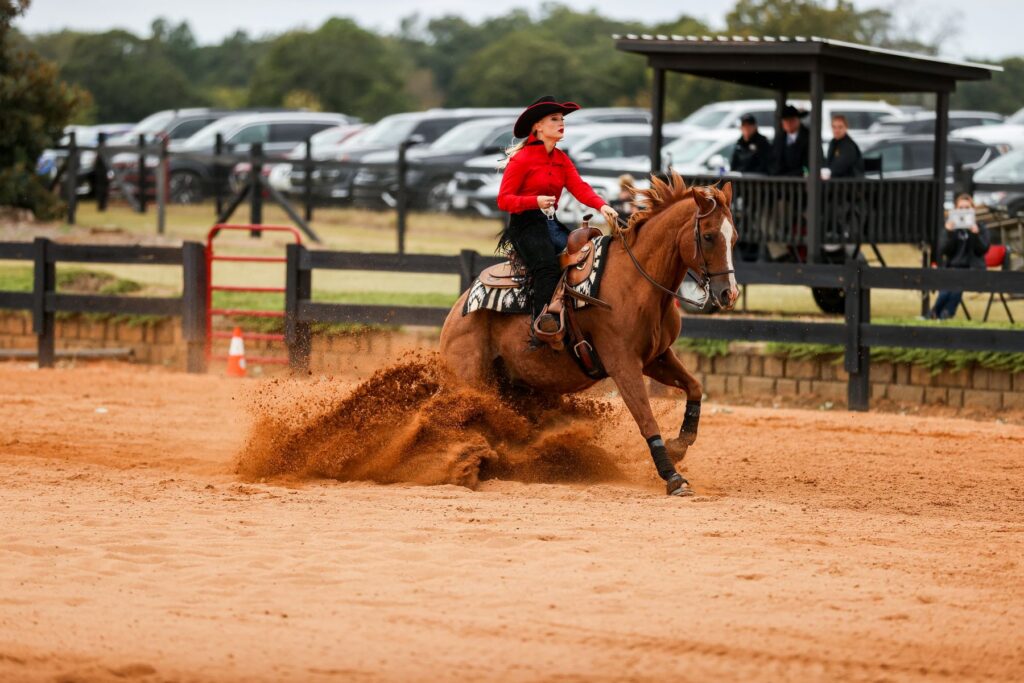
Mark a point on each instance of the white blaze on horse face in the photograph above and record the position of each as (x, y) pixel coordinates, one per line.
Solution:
(727, 232)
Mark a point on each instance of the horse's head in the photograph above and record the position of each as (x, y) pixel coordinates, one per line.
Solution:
(707, 248)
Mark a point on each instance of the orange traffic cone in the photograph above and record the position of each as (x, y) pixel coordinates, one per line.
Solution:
(236, 355)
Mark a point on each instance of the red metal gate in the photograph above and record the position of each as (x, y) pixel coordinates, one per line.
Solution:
(211, 334)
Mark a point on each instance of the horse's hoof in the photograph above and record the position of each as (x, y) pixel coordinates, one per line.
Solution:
(677, 486)
(676, 449)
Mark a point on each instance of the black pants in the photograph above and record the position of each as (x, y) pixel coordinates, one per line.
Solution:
(538, 254)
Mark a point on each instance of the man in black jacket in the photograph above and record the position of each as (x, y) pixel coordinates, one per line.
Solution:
(791, 148)
(752, 153)
(843, 159)
(962, 248)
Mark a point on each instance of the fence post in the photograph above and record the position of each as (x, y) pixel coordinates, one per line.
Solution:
(100, 182)
(193, 304)
(857, 360)
(298, 288)
(307, 190)
(467, 269)
(403, 205)
(255, 189)
(142, 173)
(44, 283)
(71, 177)
(218, 181)
(162, 188)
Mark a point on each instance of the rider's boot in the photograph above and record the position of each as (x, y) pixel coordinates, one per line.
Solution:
(548, 328)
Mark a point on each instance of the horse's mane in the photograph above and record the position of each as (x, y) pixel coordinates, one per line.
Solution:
(658, 198)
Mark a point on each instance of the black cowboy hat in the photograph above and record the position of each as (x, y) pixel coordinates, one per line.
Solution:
(542, 107)
(791, 112)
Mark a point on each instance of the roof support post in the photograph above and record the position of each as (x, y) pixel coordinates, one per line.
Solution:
(657, 117)
(939, 164)
(780, 102)
(814, 158)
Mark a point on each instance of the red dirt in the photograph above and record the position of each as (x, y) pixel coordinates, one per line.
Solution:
(822, 546)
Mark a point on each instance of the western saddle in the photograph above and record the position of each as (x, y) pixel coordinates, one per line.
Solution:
(577, 263)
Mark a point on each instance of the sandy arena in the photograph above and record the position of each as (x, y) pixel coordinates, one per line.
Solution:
(822, 546)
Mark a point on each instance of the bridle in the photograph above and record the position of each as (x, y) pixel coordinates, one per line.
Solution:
(704, 281)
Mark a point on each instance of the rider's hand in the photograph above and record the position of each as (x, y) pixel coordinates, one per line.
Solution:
(610, 214)
(545, 201)
(949, 225)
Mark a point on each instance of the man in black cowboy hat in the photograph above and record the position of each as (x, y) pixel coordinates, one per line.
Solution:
(752, 152)
(790, 154)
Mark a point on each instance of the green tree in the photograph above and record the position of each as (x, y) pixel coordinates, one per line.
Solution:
(1001, 94)
(348, 69)
(34, 108)
(129, 77)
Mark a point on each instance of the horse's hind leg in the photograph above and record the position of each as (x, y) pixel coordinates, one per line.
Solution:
(631, 386)
(466, 345)
(669, 370)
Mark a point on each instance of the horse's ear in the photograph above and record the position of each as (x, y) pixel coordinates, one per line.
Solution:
(727, 191)
(704, 202)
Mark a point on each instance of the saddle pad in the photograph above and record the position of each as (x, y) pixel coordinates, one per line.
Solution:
(517, 299)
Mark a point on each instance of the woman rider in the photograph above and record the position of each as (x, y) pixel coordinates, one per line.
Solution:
(536, 172)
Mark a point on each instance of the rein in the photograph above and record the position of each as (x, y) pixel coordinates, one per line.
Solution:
(704, 281)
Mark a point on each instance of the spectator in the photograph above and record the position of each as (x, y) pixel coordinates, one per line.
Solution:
(752, 152)
(962, 247)
(791, 148)
(843, 159)
(623, 202)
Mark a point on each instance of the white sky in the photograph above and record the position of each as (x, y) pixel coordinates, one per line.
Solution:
(990, 29)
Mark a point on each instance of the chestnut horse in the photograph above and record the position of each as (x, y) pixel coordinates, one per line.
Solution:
(678, 229)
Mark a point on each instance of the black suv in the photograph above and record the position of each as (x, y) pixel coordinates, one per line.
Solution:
(386, 135)
(430, 168)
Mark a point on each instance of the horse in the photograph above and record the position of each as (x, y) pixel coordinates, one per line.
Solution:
(677, 229)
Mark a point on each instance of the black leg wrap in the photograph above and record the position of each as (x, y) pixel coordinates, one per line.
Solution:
(660, 456)
(691, 418)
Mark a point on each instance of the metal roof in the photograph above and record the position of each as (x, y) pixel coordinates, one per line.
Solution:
(785, 63)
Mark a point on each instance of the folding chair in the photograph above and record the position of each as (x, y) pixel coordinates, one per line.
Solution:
(997, 256)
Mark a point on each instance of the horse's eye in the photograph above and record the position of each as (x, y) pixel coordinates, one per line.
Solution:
(708, 237)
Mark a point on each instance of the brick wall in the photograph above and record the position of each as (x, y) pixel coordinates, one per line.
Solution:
(746, 371)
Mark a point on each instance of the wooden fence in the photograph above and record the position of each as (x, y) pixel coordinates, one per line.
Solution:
(855, 332)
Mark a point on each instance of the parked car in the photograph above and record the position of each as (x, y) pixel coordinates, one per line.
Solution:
(1000, 185)
(192, 177)
(323, 147)
(911, 156)
(611, 115)
(924, 122)
(387, 134)
(432, 167)
(1007, 135)
(860, 114)
(50, 160)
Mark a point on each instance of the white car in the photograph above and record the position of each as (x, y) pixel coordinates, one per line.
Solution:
(860, 114)
(1006, 136)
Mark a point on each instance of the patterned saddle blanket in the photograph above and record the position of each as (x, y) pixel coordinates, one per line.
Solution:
(516, 300)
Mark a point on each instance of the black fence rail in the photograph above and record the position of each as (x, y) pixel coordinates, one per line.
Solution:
(44, 301)
(854, 210)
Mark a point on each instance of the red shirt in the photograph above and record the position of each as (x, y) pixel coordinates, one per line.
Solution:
(532, 172)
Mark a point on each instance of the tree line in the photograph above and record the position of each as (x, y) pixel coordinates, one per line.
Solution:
(448, 61)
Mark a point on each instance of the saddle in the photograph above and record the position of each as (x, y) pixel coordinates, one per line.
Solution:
(577, 263)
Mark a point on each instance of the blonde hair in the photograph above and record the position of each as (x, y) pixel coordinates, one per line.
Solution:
(510, 152)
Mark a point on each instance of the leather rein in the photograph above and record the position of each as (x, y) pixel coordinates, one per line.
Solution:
(704, 281)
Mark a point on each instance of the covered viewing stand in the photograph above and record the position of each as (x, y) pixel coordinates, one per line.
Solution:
(815, 212)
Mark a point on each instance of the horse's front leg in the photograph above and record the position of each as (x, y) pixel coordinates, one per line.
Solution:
(630, 381)
(669, 370)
